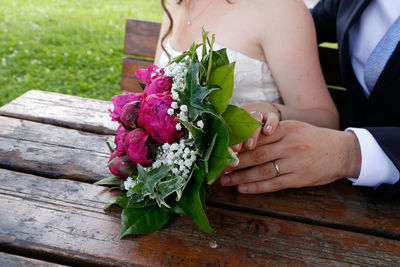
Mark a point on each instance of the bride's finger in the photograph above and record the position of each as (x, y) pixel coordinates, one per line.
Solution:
(250, 143)
(271, 123)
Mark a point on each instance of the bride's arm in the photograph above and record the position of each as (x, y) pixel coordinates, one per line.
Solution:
(290, 48)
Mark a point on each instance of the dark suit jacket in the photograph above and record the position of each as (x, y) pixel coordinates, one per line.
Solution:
(380, 113)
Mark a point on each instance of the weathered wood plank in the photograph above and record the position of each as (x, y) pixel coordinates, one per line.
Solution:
(340, 205)
(129, 81)
(51, 151)
(141, 37)
(64, 110)
(8, 260)
(64, 219)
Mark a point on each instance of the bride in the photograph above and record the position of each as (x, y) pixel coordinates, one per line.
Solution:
(277, 71)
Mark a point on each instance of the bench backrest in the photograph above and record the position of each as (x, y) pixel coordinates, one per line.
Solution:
(141, 41)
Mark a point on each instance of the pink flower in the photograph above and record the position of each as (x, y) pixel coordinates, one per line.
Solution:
(122, 166)
(139, 146)
(146, 75)
(120, 140)
(119, 102)
(158, 85)
(130, 114)
(155, 119)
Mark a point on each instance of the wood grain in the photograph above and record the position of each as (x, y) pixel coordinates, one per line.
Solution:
(52, 151)
(64, 219)
(338, 205)
(129, 81)
(141, 37)
(64, 110)
(8, 260)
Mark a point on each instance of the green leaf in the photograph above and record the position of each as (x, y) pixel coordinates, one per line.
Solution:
(220, 156)
(240, 123)
(151, 178)
(191, 202)
(199, 136)
(143, 220)
(114, 180)
(208, 152)
(219, 59)
(120, 200)
(145, 203)
(166, 188)
(193, 96)
(223, 77)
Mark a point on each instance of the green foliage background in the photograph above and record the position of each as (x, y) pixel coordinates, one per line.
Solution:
(66, 46)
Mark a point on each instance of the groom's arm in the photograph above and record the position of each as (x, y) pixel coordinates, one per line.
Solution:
(324, 15)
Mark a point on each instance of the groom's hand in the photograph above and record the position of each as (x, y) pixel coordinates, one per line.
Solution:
(304, 155)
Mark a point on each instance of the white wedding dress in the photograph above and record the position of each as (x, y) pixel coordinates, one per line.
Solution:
(253, 79)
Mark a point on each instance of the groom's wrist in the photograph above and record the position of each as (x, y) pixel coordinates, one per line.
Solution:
(352, 155)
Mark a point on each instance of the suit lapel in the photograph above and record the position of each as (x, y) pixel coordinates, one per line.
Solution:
(389, 73)
(352, 10)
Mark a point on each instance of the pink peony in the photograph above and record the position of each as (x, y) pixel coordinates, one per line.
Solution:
(139, 146)
(120, 140)
(158, 85)
(119, 102)
(122, 166)
(154, 118)
(146, 74)
(130, 114)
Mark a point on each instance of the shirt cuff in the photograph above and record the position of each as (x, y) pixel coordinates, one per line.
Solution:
(376, 167)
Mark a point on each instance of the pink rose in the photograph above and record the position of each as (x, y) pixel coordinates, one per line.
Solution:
(119, 102)
(154, 118)
(139, 146)
(146, 74)
(158, 85)
(130, 114)
(122, 166)
(120, 140)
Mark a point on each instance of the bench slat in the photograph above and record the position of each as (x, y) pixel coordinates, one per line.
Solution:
(341, 204)
(52, 151)
(71, 212)
(141, 37)
(129, 81)
(64, 110)
(9, 260)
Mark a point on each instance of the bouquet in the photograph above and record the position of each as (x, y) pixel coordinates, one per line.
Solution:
(174, 139)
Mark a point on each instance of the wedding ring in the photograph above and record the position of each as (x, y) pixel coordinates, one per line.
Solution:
(276, 167)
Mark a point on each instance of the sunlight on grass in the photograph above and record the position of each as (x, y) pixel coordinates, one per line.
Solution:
(66, 46)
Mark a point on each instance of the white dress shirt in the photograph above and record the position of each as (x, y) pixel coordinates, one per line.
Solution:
(376, 167)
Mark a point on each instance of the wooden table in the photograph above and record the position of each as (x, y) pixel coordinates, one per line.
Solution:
(53, 147)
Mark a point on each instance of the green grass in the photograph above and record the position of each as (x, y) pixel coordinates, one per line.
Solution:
(66, 46)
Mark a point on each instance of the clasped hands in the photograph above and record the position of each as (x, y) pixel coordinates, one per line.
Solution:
(291, 154)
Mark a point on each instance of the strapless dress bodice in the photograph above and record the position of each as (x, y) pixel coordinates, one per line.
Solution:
(253, 79)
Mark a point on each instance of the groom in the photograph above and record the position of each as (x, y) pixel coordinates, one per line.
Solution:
(368, 151)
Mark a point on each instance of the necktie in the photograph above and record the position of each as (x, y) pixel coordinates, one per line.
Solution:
(381, 54)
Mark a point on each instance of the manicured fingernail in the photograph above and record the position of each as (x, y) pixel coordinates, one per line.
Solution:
(225, 180)
(236, 147)
(268, 128)
(243, 188)
(250, 142)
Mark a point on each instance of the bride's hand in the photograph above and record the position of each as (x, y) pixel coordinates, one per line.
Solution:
(264, 112)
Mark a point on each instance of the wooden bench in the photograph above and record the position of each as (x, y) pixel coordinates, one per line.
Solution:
(141, 42)
(53, 147)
